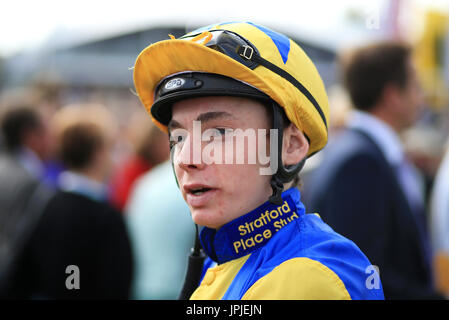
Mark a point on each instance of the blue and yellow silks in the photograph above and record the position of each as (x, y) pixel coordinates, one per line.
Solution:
(279, 252)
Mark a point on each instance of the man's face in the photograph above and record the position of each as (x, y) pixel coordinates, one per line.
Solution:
(411, 99)
(218, 187)
(38, 139)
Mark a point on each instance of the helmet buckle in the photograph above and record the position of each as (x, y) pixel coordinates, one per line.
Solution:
(247, 52)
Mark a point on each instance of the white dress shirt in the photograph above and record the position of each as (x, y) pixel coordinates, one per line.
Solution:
(74, 182)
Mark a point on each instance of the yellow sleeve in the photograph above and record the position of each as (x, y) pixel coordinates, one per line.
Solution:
(299, 279)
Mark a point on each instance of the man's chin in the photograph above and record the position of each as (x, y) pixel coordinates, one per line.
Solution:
(206, 217)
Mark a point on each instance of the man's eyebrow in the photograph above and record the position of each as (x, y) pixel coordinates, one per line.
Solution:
(204, 117)
(173, 124)
(213, 115)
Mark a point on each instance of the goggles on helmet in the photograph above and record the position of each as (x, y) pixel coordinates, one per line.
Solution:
(238, 48)
(228, 43)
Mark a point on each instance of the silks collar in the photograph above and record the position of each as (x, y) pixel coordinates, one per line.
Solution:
(253, 230)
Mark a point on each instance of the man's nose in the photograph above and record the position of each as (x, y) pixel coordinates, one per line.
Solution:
(188, 155)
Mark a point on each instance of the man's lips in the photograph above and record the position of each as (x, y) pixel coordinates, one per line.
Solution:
(198, 195)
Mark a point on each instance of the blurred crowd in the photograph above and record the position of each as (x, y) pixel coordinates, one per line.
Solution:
(67, 175)
(82, 185)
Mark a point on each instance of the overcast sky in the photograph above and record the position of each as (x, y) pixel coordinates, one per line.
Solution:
(25, 24)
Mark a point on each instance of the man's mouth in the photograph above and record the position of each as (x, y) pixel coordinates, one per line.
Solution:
(198, 194)
(199, 191)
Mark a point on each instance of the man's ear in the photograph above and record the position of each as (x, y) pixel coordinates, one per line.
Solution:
(295, 145)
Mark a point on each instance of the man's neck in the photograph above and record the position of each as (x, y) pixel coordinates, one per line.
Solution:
(388, 119)
(91, 173)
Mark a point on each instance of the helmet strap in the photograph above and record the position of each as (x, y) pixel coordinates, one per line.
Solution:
(283, 174)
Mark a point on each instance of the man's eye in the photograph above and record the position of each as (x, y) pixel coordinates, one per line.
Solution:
(215, 132)
(175, 139)
(223, 131)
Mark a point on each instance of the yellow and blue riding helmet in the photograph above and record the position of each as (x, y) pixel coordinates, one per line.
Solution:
(237, 59)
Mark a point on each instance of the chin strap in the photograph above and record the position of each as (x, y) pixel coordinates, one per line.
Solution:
(283, 174)
(194, 269)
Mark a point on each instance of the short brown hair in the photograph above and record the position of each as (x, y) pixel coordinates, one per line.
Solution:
(80, 131)
(18, 121)
(367, 70)
(78, 145)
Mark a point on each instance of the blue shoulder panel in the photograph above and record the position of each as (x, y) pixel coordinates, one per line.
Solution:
(309, 237)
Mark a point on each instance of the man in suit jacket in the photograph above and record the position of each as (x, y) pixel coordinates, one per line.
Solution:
(364, 187)
(22, 197)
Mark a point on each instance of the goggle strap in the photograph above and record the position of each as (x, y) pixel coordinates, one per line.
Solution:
(248, 53)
